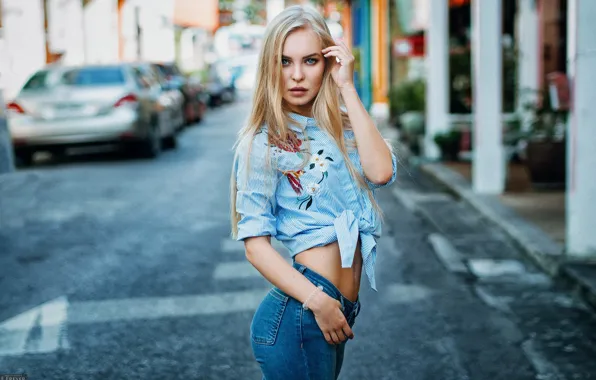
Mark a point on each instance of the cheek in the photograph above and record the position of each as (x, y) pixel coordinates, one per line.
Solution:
(317, 74)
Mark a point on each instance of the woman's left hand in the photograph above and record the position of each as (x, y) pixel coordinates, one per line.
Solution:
(342, 71)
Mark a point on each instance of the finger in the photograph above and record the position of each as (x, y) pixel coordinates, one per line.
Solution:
(335, 337)
(341, 55)
(332, 48)
(328, 338)
(337, 54)
(348, 331)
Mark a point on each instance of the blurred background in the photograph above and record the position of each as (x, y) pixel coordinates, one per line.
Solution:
(117, 121)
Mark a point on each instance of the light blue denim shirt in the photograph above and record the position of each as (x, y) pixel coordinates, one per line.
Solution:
(311, 207)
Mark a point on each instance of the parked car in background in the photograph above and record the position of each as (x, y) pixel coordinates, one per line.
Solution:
(244, 69)
(220, 83)
(60, 107)
(172, 97)
(195, 95)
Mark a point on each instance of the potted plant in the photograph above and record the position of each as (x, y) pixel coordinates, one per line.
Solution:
(449, 144)
(407, 105)
(545, 152)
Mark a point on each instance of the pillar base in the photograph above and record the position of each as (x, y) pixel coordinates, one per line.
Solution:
(380, 111)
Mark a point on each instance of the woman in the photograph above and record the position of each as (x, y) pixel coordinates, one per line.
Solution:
(305, 172)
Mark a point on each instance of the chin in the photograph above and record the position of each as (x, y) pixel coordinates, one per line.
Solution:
(299, 102)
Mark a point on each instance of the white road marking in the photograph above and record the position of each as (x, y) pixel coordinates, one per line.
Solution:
(399, 293)
(235, 270)
(405, 199)
(447, 253)
(230, 245)
(500, 303)
(410, 199)
(164, 307)
(493, 267)
(43, 329)
(38, 330)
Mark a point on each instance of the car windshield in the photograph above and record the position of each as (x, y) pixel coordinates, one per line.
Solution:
(94, 76)
(168, 70)
(38, 81)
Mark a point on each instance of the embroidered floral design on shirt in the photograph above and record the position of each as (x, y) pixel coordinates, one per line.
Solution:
(320, 163)
(294, 179)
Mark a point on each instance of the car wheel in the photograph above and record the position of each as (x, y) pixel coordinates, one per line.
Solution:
(25, 158)
(170, 142)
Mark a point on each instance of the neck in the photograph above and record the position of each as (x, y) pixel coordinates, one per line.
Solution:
(305, 110)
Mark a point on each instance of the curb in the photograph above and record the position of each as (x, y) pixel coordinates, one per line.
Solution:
(537, 245)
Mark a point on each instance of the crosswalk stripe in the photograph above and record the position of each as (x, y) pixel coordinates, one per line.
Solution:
(235, 270)
(38, 330)
(43, 329)
(163, 307)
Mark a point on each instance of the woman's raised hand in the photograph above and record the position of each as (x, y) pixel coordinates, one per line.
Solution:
(343, 64)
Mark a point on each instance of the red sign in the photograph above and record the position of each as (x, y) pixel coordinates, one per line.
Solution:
(410, 46)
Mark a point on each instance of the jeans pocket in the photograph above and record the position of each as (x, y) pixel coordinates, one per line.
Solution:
(267, 319)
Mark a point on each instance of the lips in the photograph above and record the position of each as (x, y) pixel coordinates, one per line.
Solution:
(298, 91)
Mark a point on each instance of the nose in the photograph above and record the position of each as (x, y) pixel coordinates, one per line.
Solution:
(298, 73)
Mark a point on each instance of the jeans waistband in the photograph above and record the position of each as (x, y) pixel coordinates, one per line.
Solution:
(329, 288)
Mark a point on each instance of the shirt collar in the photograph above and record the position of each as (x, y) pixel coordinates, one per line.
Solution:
(302, 120)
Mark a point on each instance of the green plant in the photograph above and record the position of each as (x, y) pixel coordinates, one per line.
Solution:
(407, 96)
(545, 122)
(449, 143)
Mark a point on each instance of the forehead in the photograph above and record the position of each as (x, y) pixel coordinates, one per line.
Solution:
(302, 42)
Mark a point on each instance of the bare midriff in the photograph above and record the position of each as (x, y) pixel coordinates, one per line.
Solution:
(326, 261)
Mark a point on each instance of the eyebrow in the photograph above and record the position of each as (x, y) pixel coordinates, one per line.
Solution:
(306, 56)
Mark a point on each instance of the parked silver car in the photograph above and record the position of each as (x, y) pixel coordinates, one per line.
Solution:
(60, 107)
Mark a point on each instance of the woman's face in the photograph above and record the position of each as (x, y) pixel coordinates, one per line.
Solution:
(302, 67)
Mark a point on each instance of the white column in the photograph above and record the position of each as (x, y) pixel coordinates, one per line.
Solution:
(24, 43)
(527, 30)
(581, 136)
(488, 167)
(437, 75)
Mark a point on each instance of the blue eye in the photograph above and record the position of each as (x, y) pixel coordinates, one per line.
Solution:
(311, 61)
(285, 62)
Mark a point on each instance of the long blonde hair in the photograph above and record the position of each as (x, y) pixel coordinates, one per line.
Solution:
(267, 108)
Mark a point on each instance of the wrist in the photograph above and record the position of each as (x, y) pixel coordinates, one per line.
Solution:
(347, 87)
(315, 303)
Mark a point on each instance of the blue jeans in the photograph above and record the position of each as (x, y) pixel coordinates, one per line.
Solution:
(287, 341)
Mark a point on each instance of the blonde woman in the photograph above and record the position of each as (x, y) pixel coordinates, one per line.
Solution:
(305, 172)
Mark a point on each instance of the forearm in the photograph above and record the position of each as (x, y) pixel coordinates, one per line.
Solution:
(276, 270)
(375, 155)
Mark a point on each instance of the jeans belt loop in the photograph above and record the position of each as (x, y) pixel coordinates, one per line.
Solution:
(301, 268)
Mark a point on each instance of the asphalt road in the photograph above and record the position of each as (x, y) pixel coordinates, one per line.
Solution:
(120, 268)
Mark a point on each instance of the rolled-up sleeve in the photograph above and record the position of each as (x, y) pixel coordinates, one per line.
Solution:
(256, 183)
(393, 174)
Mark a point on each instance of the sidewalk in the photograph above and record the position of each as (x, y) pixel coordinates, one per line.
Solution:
(537, 228)
(547, 251)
